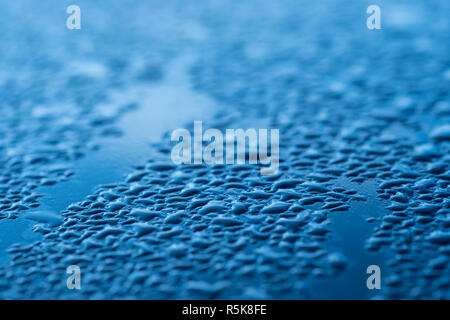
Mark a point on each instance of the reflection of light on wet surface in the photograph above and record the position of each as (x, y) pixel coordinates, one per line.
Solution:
(350, 233)
(13, 231)
(402, 16)
(163, 106)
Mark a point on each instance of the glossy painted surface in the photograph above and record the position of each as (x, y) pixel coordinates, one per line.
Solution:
(86, 176)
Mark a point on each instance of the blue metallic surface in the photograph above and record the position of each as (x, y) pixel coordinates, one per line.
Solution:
(86, 176)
